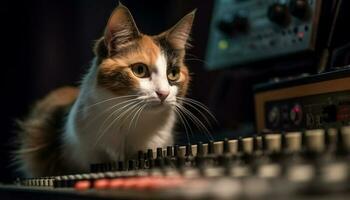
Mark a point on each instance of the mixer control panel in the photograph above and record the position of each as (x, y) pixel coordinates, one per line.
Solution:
(242, 31)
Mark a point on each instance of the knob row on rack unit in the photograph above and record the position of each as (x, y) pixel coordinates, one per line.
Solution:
(279, 13)
(284, 114)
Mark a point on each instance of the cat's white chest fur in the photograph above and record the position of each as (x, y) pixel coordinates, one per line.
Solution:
(100, 132)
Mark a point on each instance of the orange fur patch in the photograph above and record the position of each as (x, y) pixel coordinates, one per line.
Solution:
(184, 81)
(41, 133)
(115, 73)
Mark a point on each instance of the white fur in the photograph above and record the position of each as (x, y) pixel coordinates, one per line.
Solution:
(86, 141)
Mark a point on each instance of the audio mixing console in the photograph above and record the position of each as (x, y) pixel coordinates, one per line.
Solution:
(305, 164)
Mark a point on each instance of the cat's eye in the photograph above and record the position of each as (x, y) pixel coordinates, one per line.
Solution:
(174, 74)
(140, 70)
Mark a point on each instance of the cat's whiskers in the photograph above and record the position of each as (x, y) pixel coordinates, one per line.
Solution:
(198, 107)
(180, 115)
(131, 113)
(195, 120)
(199, 104)
(139, 110)
(189, 54)
(87, 107)
(182, 119)
(137, 118)
(200, 112)
(100, 134)
(126, 112)
(107, 110)
(207, 121)
(115, 111)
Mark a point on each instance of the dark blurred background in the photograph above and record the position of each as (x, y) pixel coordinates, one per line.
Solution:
(47, 44)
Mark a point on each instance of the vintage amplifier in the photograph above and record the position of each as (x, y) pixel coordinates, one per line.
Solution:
(306, 102)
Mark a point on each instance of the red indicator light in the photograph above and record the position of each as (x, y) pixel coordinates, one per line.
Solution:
(301, 34)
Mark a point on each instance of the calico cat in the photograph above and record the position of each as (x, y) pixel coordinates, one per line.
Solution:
(126, 102)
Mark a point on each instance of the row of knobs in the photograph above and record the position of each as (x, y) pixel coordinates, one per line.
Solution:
(281, 13)
(316, 148)
(278, 13)
(309, 144)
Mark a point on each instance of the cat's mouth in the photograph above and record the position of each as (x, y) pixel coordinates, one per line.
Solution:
(158, 105)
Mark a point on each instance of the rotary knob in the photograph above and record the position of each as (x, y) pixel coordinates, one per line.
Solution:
(238, 24)
(274, 116)
(296, 114)
(279, 14)
(241, 22)
(300, 9)
(225, 26)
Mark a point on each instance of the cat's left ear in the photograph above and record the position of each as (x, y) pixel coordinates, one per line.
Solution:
(121, 29)
(178, 35)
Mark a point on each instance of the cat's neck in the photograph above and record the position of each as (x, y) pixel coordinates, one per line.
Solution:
(99, 131)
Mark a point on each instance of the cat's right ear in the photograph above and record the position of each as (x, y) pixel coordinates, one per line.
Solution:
(120, 30)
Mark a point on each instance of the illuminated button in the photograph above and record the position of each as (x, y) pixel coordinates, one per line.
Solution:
(223, 44)
(116, 183)
(131, 183)
(301, 35)
(82, 185)
(101, 184)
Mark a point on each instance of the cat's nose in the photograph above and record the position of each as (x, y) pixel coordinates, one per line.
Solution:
(162, 95)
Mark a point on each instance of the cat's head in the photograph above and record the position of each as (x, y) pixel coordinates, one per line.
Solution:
(132, 63)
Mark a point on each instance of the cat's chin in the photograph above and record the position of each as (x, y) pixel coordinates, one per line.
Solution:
(159, 106)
